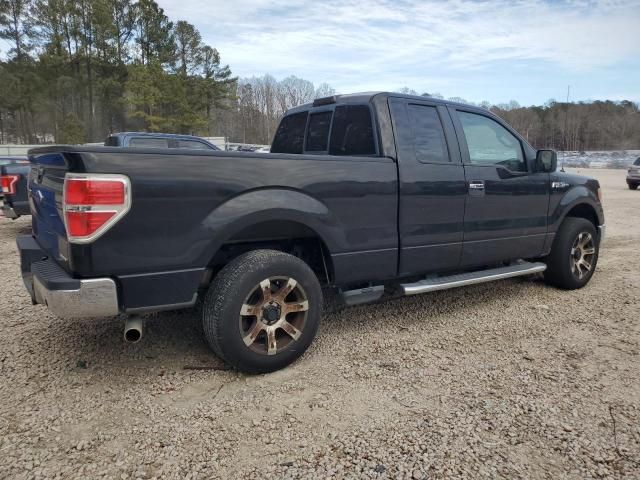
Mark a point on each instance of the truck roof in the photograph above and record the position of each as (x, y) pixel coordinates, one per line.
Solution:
(366, 97)
(156, 135)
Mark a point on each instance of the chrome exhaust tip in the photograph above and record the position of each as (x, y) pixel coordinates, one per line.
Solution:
(133, 330)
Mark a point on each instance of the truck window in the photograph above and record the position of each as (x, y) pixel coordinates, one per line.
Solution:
(637, 162)
(318, 131)
(111, 142)
(429, 143)
(193, 144)
(489, 143)
(289, 137)
(142, 142)
(352, 131)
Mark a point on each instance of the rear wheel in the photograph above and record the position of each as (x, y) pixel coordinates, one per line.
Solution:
(262, 311)
(574, 254)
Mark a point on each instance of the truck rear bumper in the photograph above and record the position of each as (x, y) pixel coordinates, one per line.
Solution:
(64, 296)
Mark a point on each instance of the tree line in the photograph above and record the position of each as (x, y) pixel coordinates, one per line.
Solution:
(76, 70)
(73, 71)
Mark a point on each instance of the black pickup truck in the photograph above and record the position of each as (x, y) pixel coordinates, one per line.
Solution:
(366, 194)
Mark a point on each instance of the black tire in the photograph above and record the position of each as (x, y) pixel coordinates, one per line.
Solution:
(633, 186)
(561, 271)
(236, 285)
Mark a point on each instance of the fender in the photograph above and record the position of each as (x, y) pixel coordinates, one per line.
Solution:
(270, 204)
(562, 203)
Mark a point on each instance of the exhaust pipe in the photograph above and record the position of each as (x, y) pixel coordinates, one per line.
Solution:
(133, 329)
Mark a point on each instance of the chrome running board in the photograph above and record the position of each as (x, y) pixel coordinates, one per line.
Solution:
(472, 278)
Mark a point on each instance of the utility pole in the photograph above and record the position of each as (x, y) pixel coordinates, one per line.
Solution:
(564, 140)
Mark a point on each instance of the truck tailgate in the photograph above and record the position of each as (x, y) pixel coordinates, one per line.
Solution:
(45, 186)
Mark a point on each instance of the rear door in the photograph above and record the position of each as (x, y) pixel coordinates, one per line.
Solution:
(432, 187)
(507, 201)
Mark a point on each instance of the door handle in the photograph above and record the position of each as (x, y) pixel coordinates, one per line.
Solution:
(476, 185)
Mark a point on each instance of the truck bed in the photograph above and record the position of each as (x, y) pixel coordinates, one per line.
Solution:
(186, 204)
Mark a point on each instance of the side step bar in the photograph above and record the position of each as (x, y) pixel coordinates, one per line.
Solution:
(471, 278)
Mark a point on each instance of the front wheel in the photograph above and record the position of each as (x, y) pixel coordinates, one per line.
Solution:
(633, 186)
(574, 254)
(262, 311)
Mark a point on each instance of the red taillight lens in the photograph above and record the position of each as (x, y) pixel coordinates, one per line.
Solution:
(83, 224)
(93, 204)
(94, 192)
(9, 184)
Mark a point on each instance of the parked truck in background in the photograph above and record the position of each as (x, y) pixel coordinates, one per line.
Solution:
(14, 172)
(364, 194)
(157, 140)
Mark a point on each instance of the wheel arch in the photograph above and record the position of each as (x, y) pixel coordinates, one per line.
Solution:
(586, 211)
(580, 202)
(280, 219)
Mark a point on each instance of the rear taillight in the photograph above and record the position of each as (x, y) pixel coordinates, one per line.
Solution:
(93, 203)
(9, 184)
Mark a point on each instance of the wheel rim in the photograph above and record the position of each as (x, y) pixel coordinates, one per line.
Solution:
(273, 315)
(582, 255)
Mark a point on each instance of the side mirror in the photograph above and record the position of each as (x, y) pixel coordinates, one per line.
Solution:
(547, 161)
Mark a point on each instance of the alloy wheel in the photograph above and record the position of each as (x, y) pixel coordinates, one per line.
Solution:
(273, 315)
(582, 254)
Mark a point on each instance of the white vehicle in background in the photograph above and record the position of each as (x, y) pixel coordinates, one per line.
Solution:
(633, 175)
(263, 150)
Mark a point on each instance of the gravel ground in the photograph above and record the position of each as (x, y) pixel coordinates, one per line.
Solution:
(512, 380)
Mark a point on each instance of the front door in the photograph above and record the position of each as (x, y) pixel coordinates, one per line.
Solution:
(507, 201)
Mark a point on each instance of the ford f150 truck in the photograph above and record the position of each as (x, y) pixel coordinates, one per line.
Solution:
(364, 193)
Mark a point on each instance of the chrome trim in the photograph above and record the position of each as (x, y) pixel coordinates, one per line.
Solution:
(96, 297)
(602, 229)
(472, 278)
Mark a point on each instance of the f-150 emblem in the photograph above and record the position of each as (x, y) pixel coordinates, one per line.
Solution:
(559, 185)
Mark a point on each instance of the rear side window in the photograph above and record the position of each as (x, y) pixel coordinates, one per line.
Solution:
(352, 131)
(111, 142)
(290, 134)
(318, 132)
(149, 142)
(428, 136)
(193, 144)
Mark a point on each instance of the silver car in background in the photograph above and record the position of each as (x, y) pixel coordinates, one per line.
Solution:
(633, 175)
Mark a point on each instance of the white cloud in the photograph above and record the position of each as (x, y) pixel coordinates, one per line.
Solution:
(373, 44)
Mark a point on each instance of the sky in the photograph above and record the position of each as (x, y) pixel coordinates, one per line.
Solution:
(495, 51)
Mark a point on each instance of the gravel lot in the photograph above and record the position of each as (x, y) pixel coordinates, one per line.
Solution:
(511, 379)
